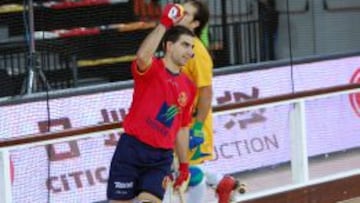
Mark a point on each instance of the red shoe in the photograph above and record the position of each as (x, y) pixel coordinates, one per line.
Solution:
(225, 188)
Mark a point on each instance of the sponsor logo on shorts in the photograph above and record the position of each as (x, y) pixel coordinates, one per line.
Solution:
(123, 185)
(355, 98)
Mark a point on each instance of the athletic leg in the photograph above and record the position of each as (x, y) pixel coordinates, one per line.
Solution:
(145, 197)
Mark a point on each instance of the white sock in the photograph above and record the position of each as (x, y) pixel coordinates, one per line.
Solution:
(197, 193)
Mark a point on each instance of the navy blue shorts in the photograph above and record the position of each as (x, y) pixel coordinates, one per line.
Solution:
(137, 167)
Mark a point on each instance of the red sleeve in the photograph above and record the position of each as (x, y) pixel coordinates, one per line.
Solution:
(148, 73)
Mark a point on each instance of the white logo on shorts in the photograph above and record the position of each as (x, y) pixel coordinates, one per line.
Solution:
(123, 185)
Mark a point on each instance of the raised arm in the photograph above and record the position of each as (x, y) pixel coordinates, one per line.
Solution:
(171, 14)
(148, 47)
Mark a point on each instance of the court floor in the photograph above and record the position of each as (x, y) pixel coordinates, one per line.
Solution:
(273, 177)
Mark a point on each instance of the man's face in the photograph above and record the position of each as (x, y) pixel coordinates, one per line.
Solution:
(188, 19)
(182, 50)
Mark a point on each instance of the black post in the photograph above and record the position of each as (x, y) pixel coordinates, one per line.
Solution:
(225, 29)
(33, 63)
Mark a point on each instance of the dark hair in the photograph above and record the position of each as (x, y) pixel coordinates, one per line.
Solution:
(173, 34)
(201, 15)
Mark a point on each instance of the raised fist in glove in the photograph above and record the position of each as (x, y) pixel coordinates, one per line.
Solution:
(172, 13)
(196, 135)
(183, 177)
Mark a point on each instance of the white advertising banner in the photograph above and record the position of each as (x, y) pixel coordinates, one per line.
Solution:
(77, 171)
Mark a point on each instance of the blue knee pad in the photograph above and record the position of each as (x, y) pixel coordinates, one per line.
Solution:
(197, 175)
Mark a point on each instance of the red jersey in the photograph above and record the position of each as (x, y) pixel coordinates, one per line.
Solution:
(162, 104)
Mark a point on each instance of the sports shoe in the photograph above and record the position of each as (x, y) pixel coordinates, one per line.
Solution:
(225, 188)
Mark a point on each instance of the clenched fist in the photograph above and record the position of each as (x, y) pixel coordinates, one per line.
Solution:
(172, 13)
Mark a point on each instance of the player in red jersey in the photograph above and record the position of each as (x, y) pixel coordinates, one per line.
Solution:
(158, 118)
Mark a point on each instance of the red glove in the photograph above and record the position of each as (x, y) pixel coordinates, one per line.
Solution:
(183, 176)
(171, 14)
